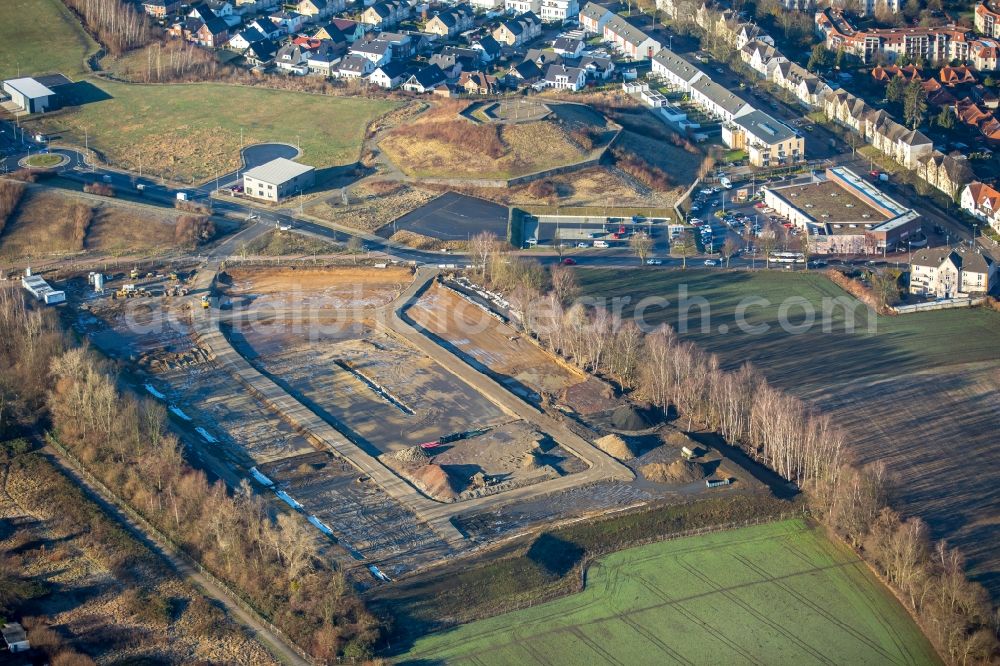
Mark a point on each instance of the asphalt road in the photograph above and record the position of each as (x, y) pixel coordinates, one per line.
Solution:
(453, 216)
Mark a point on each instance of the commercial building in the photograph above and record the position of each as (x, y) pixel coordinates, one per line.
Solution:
(933, 46)
(844, 214)
(40, 289)
(29, 95)
(767, 141)
(278, 179)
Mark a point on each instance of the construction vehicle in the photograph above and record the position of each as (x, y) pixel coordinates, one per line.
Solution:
(126, 291)
(173, 276)
(205, 303)
(134, 274)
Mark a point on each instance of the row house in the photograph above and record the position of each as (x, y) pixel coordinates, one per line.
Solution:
(675, 70)
(386, 14)
(807, 87)
(593, 17)
(946, 173)
(518, 30)
(761, 57)
(889, 72)
(629, 40)
(717, 100)
(878, 128)
(982, 201)
(452, 21)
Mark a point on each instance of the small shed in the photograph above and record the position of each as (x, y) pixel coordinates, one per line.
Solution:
(29, 95)
(15, 637)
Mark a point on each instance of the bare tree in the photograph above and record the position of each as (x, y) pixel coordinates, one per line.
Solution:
(641, 243)
(483, 246)
(563, 281)
(684, 246)
(729, 250)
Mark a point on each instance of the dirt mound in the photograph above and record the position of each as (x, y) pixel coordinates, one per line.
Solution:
(615, 447)
(434, 480)
(630, 417)
(679, 471)
(530, 461)
(412, 454)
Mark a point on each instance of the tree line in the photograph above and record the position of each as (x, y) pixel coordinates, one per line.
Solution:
(269, 557)
(119, 26)
(776, 429)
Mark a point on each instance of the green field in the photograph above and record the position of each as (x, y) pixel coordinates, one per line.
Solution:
(40, 37)
(191, 132)
(892, 345)
(772, 594)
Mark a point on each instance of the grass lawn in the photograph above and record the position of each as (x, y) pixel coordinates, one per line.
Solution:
(40, 37)
(191, 132)
(45, 161)
(774, 594)
(893, 345)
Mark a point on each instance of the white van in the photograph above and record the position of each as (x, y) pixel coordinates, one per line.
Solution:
(601, 243)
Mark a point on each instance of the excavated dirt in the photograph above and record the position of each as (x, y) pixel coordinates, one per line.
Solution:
(412, 454)
(679, 471)
(615, 447)
(435, 482)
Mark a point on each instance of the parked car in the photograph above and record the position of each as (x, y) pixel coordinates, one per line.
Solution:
(567, 262)
(582, 244)
(711, 262)
(654, 262)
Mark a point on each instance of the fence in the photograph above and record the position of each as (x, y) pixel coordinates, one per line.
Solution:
(174, 547)
(597, 211)
(946, 304)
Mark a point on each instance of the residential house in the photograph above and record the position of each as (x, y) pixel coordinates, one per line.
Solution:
(768, 142)
(597, 68)
(292, 59)
(386, 13)
(451, 64)
(982, 201)
(425, 80)
(522, 6)
(161, 8)
(404, 46)
(562, 77)
(937, 94)
(389, 75)
(376, 50)
(261, 54)
(543, 58)
(213, 33)
(954, 273)
(243, 40)
(568, 46)
(315, 9)
(518, 30)
(478, 83)
(889, 72)
(947, 173)
(593, 18)
(266, 28)
(289, 22)
(718, 100)
(349, 33)
(675, 70)
(451, 21)
(953, 76)
(984, 97)
(751, 32)
(524, 73)
(761, 57)
(221, 8)
(355, 66)
(488, 48)
(486, 5)
(324, 60)
(987, 18)
(799, 81)
(559, 10)
(629, 40)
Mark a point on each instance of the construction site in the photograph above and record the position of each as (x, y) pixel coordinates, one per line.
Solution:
(405, 420)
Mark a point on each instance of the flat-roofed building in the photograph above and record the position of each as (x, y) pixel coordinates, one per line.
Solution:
(768, 142)
(278, 179)
(844, 214)
(30, 95)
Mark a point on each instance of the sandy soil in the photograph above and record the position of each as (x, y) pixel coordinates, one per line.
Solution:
(526, 368)
(342, 287)
(372, 206)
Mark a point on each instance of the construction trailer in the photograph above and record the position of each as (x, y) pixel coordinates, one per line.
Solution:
(40, 289)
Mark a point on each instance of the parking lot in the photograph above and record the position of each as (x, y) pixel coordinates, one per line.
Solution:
(452, 217)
